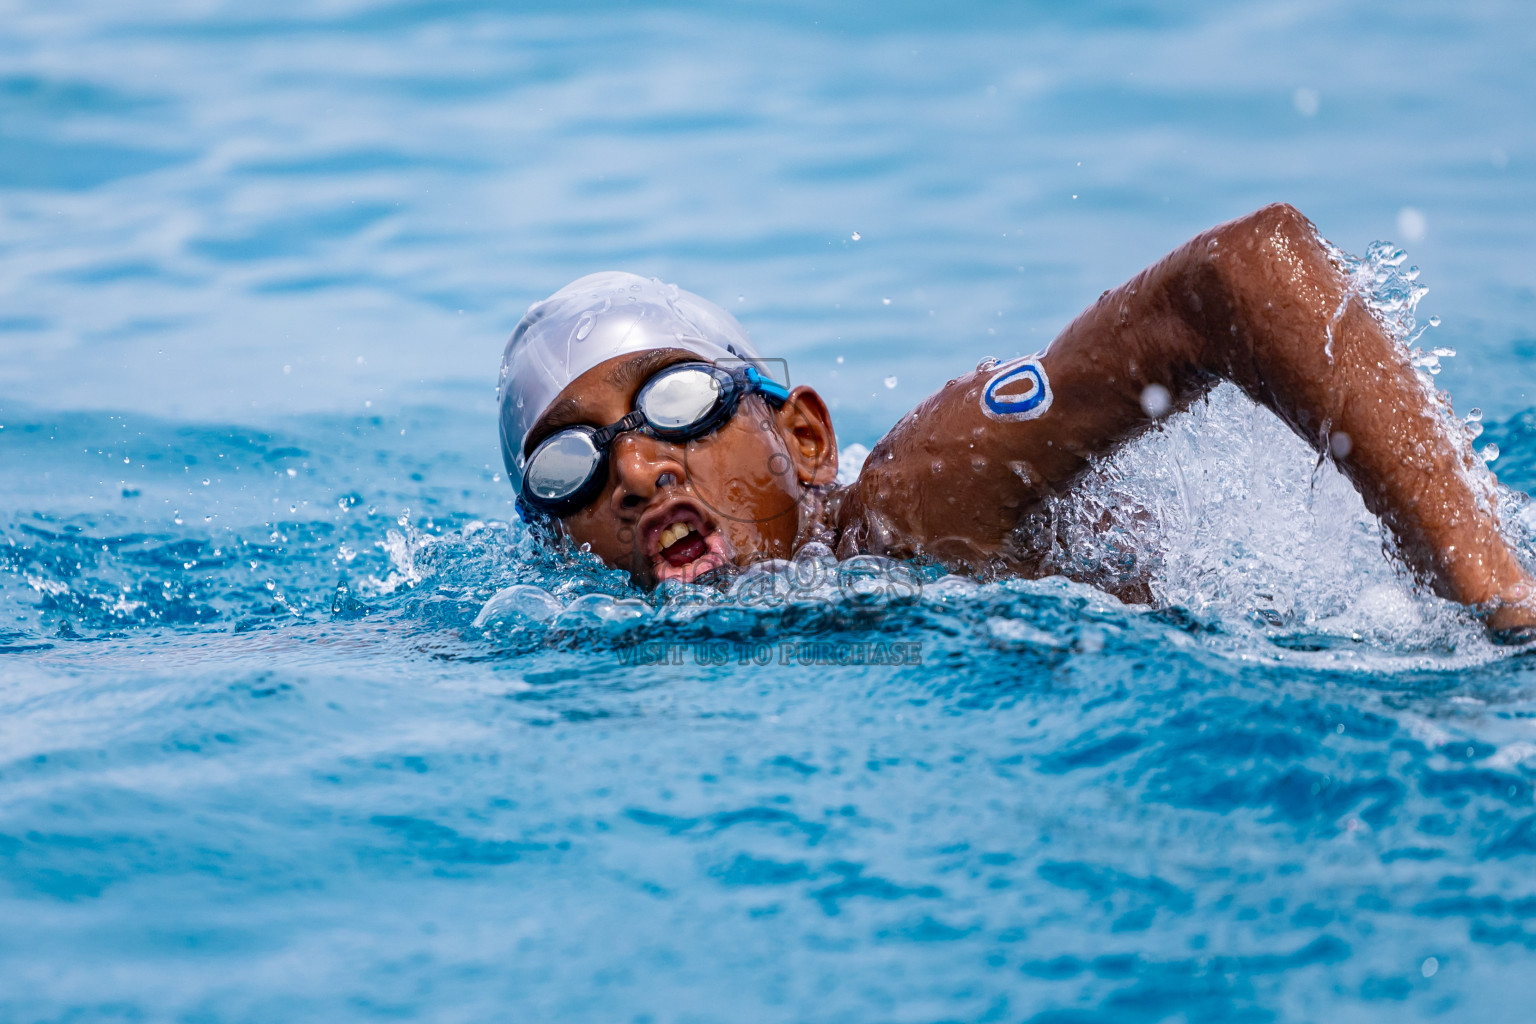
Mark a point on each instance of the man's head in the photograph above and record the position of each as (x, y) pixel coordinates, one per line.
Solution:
(723, 485)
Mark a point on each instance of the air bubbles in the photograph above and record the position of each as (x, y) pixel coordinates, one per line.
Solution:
(890, 382)
(1306, 101)
(520, 603)
(1412, 225)
(1156, 401)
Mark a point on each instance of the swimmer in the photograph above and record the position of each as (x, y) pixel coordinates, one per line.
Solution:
(640, 421)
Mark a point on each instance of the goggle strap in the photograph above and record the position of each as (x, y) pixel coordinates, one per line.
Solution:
(767, 385)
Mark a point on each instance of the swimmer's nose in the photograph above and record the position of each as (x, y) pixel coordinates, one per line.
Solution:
(641, 467)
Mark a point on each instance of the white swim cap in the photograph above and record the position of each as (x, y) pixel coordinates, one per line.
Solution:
(594, 319)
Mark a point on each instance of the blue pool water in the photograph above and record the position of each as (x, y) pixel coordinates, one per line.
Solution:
(295, 724)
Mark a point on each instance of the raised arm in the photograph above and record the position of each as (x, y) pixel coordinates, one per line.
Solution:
(1256, 301)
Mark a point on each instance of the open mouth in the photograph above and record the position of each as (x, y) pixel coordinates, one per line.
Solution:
(682, 543)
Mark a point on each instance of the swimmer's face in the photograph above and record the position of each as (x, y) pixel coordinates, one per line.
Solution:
(676, 510)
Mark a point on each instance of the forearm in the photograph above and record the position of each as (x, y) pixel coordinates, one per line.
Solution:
(1286, 329)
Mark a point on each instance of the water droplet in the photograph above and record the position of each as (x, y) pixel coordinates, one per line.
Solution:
(1156, 401)
(839, 360)
(1490, 452)
(1306, 101)
(1340, 444)
(1430, 967)
(206, 481)
(890, 381)
(584, 327)
(1412, 224)
(1475, 416)
(856, 236)
(886, 301)
(986, 364)
(1434, 321)
(1444, 353)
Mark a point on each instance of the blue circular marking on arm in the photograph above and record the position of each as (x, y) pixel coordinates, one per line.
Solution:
(1026, 406)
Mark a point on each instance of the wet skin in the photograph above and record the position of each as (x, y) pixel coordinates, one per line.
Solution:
(1253, 301)
(742, 491)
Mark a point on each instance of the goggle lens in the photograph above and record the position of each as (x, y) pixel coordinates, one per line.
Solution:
(675, 401)
(562, 465)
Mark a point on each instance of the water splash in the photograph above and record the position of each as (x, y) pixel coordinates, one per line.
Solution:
(1223, 512)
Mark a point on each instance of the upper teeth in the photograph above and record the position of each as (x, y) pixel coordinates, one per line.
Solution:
(674, 533)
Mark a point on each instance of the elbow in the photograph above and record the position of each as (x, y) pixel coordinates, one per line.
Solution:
(1250, 274)
(1272, 257)
(1274, 237)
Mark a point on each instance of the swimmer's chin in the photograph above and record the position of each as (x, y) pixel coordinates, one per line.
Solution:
(717, 553)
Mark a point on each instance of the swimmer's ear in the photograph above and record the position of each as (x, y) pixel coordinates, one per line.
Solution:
(806, 427)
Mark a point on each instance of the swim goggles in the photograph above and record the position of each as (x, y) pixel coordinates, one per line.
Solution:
(681, 402)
